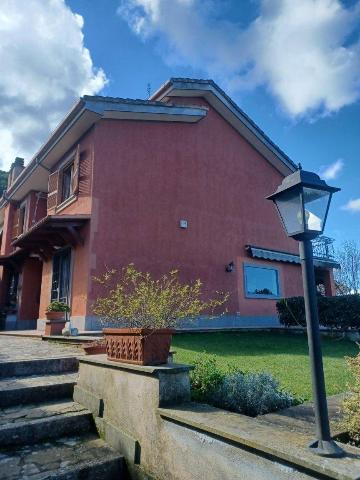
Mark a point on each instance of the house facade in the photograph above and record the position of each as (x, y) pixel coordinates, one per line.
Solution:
(177, 181)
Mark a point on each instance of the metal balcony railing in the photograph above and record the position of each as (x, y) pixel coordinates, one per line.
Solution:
(323, 247)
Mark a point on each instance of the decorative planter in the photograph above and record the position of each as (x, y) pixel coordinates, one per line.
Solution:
(141, 346)
(95, 348)
(55, 322)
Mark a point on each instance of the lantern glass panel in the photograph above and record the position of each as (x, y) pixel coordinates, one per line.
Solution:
(289, 207)
(315, 206)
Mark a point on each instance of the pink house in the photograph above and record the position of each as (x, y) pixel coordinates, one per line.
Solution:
(177, 181)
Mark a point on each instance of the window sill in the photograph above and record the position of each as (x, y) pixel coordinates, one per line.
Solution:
(66, 203)
(266, 297)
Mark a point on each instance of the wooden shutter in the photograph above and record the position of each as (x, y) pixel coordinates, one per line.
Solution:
(21, 220)
(15, 228)
(53, 187)
(76, 172)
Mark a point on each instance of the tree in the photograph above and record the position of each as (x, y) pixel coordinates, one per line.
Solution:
(3, 181)
(347, 278)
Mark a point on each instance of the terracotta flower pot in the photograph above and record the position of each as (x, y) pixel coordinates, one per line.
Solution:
(141, 346)
(55, 316)
(95, 348)
(55, 322)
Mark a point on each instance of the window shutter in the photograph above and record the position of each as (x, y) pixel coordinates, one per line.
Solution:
(52, 190)
(76, 172)
(21, 220)
(15, 228)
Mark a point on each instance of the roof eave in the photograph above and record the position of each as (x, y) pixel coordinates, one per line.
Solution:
(82, 116)
(76, 111)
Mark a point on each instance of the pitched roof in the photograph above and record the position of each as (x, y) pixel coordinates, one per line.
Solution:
(190, 87)
(87, 111)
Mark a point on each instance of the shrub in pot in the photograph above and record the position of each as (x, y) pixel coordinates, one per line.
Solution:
(144, 311)
(56, 318)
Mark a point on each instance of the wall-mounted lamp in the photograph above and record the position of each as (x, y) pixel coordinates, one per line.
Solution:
(230, 267)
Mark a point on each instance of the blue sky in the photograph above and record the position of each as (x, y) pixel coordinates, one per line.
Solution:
(294, 67)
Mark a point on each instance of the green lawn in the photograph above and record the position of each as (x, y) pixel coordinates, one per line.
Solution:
(282, 354)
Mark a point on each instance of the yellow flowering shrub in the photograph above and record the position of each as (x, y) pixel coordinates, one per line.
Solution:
(137, 300)
(351, 403)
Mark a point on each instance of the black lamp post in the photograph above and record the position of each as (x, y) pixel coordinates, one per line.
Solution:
(302, 201)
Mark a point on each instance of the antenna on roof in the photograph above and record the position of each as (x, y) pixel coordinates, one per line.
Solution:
(148, 89)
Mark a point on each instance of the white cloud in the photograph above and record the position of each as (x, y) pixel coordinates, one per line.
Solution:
(330, 172)
(305, 53)
(44, 68)
(352, 205)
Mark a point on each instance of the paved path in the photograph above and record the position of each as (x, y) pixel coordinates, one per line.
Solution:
(43, 433)
(301, 418)
(20, 348)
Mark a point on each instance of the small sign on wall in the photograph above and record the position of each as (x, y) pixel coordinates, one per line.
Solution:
(183, 224)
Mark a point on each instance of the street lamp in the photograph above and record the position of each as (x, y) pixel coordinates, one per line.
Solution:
(302, 201)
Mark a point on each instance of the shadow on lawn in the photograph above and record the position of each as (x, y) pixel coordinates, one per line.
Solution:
(229, 344)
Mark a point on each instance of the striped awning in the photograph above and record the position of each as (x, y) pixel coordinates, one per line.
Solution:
(277, 256)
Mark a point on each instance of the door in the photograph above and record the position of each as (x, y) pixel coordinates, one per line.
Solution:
(60, 288)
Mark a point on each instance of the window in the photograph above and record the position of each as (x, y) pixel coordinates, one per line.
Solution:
(11, 299)
(261, 282)
(22, 212)
(63, 184)
(19, 221)
(60, 286)
(67, 182)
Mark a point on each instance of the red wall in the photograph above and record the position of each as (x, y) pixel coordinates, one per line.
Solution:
(9, 212)
(80, 255)
(149, 175)
(29, 290)
(5, 249)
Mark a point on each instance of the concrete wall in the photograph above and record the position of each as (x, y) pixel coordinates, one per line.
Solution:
(145, 413)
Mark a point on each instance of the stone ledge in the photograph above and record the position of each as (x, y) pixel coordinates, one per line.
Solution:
(168, 368)
(247, 432)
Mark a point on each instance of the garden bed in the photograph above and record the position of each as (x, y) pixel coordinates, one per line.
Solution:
(285, 356)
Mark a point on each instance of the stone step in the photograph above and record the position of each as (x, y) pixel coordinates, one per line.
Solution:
(71, 458)
(40, 366)
(23, 390)
(36, 422)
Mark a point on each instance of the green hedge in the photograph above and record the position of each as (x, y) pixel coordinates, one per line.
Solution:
(338, 313)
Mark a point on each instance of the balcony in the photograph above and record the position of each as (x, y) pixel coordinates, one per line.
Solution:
(323, 248)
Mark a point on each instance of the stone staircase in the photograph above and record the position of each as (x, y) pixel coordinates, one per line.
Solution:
(43, 433)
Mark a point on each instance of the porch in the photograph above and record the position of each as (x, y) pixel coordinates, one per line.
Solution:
(23, 272)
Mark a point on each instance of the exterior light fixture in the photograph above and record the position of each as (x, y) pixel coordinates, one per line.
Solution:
(302, 202)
